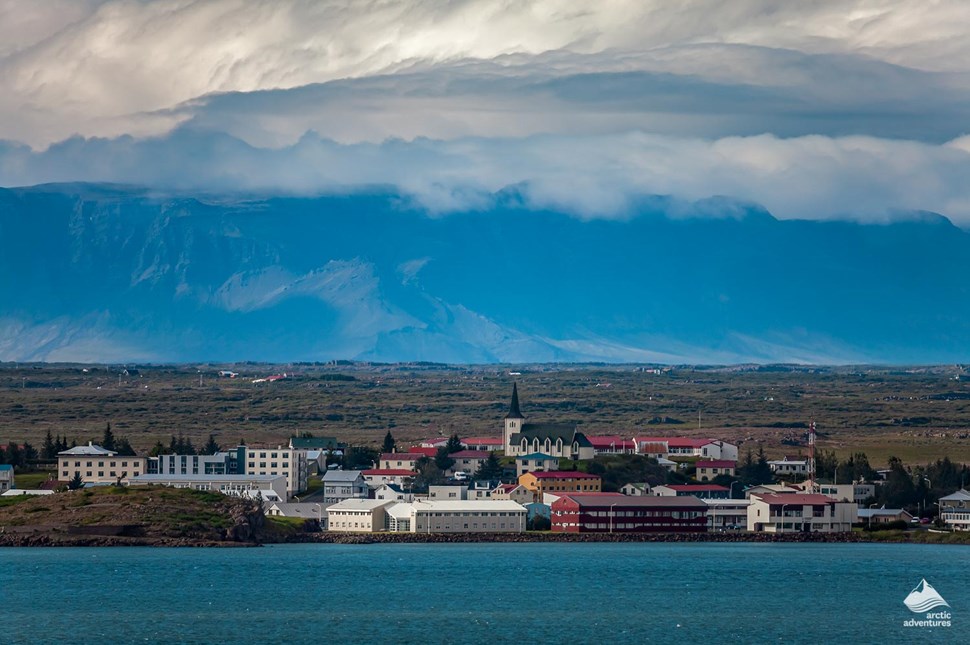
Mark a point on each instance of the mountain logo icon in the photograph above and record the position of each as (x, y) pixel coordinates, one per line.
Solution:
(924, 598)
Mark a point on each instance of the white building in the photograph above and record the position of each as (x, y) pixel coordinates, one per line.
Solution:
(96, 465)
(446, 493)
(955, 510)
(305, 510)
(636, 489)
(535, 462)
(291, 463)
(358, 515)
(271, 488)
(468, 516)
(789, 467)
(789, 513)
(6, 478)
(723, 514)
(339, 485)
(858, 493)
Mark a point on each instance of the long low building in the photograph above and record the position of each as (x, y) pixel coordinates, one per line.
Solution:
(606, 513)
(271, 488)
(427, 516)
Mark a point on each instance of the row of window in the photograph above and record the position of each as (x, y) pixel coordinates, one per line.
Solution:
(66, 474)
(111, 464)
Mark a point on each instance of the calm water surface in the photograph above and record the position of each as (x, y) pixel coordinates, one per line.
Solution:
(480, 593)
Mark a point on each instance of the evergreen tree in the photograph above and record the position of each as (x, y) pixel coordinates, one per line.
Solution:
(210, 447)
(123, 447)
(49, 450)
(13, 455)
(443, 460)
(29, 453)
(489, 469)
(898, 491)
(389, 443)
(76, 482)
(454, 444)
(61, 443)
(157, 449)
(108, 440)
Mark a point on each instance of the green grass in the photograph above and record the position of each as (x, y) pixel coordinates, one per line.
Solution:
(32, 480)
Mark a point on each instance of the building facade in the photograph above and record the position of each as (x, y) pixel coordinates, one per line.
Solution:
(708, 469)
(289, 462)
(270, 488)
(96, 465)
(339, 485)
(955, 510)
(560, 481)
(468, 516)
(806, 513)
(7, 481)
(535, 462)
(576, 513)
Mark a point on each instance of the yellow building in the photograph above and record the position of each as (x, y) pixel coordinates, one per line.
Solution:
(560, 481)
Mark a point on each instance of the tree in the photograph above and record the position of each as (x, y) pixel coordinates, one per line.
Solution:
(427, 473)
(123, 447)
(754, 472)
(489, 469)
(389, 443)
(29, 453)
(443, 459)
(359, 457)
(211, 447)
(49, 449)
(157, 449)
(898, 491)
(454, 444)
(108, 440)
(76, 482)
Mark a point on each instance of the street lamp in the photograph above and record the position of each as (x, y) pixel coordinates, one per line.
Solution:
(611, 516)
(783, 517)
(870, 516)
(732, 487)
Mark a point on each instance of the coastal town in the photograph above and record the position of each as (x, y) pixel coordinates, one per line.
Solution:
(534, 477)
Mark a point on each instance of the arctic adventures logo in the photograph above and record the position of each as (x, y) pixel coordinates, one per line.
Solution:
(924, 599)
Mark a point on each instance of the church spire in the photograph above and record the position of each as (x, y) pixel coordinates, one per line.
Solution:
(514, 412)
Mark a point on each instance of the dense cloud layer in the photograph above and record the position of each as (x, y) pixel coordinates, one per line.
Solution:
(814, 109)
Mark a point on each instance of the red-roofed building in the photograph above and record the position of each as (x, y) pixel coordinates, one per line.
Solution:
(702, 491)
(560, 481)
(484, 443)
(686, 447)
(430, 453)
(612, 445)
(399, 460)
(708, 469)
(468, 461)
(616, 513)
(794, 512)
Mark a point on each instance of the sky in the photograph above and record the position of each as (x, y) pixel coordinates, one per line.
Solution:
(814, 109)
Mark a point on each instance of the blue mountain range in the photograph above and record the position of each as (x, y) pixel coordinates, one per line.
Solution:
(114, 273)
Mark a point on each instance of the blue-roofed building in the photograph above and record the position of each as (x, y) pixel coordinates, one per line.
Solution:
(535, 462)
(6, 478)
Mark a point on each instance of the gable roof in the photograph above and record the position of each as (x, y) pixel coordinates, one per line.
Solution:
(91, 450)
(716, 463)
(537, 456)
(401, 456)
(469, 454)
(551, 431)
(795, 499)
(691, 488)
(959, 496)
(341, 476)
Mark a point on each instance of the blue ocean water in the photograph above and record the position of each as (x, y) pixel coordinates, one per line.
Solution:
(480, 593)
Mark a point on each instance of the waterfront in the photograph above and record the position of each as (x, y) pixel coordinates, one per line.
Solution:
(478, 593)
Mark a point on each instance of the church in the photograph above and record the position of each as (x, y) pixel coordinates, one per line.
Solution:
(553, 439)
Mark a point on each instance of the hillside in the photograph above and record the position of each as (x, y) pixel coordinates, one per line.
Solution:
(131, 516)
(106, 273)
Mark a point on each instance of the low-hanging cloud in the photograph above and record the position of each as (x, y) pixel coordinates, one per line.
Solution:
(810, 177)
(814, 109)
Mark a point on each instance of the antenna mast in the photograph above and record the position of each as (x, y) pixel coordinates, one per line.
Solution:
(811, 457)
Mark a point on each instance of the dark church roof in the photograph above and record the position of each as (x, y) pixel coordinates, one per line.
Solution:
(514, 412)
(550, 431)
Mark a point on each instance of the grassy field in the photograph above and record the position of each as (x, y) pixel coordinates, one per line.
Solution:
(918, 414)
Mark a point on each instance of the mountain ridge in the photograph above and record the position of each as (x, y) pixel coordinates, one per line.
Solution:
(110, 272)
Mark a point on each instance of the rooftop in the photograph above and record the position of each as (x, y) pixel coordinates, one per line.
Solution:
(205, 478)
(388, 472)
(401, 456)
(690, 488)
(795, 499)
(716, 463)
(91, 450)
(606, 501)
(537, 456)
(469, 454)
(563, 474)
(341, 476)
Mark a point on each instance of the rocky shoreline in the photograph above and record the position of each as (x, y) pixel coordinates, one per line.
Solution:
(457, 538)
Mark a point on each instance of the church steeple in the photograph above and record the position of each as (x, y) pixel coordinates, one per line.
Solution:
(514, 412)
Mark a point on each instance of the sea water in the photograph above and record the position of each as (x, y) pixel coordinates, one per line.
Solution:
(481, 593)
